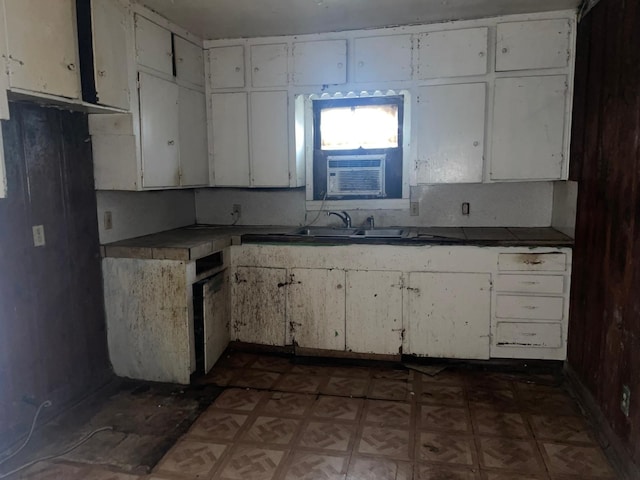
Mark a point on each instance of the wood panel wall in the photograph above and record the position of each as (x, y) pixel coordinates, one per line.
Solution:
(52, 324)
(604, 333)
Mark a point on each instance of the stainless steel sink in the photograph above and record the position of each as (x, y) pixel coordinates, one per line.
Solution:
(381, 233)
(324, 232)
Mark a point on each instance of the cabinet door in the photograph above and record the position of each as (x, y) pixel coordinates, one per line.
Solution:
(269, 139)
(227, 67)
(451, 133)
(535, 44)
(216, 318)
(109, 28)
(153, 46)
(379, 59)
(42, 46)
(194, 157)
(449, 315)
(230, 139)
(269, 65)
(315, 308)
(374, 312)
(528, 128)
(452, 53)
(258, 314)
(159, 132)
(189, 61)
(320, 63)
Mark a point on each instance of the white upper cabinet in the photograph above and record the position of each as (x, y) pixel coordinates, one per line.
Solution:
(153, 46)
(450, 133)
(229, 131)
(194, 157)
(189, 61)
(227, 66)
(533, 44)
(109, 27)
(42, 46)
(322, 62)
(269, 65)
(381, 59)
(269, 130)
(159, 131)
(452, 53)
(528, 128)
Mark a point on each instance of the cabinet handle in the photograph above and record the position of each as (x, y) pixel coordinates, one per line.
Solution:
(530, 283)
(361, 64)
(72, 67)
(529, 307)
(476, 143)
(340, 65)
(171, 142)
(101, 73)
(481, 54)
(505, 50)
(237, 69)
(256, 69)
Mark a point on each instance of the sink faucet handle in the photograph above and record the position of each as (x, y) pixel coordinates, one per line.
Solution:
(347, 219)
(371, 221)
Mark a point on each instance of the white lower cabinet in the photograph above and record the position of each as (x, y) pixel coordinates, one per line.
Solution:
(316, 308)
(374, 311)
(258, 305)
(449, 315)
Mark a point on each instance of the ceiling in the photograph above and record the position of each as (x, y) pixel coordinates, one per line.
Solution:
(215, 19)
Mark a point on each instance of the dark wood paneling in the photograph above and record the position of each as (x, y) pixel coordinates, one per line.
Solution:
(52, 325)
(604, 334)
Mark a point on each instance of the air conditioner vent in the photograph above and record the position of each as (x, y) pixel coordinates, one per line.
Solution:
(352, 175)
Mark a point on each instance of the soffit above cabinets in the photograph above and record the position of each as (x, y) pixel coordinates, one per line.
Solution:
(217, 19)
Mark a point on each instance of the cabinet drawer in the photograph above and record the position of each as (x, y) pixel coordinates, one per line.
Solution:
(527, 335)
(531, 308)
(530, 283)
(554, 262)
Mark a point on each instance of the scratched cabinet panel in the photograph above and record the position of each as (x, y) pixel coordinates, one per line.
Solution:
(529, 335)
(374, 312)
(452, 53)
(449, 315)
(42, 46)
(379, 59)
(320, 63)
(258, 312)
(269, 65)
(553, 262)
(315, 308)
(529, 307)
(153, 46)
(451, 133)
(189, 61)
(159, 131)
(229, 131)
(226, 66)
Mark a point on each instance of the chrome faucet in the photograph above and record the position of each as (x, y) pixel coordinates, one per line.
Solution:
(346, 219)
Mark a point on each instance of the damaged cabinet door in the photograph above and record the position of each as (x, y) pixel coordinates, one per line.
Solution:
(315, 308)
(449, 315)
(374, 312)
(258, 312)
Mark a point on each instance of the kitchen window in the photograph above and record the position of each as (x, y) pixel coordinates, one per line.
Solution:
(357, 148)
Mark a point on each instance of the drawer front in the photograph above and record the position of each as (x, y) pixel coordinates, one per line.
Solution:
(530, 283)
(530, 308)
(553, 262)
(528, 335)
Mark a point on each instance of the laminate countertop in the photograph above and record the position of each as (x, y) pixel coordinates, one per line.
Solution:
(197, 241)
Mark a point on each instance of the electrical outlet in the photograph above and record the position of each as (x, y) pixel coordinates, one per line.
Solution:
(466, 208)
(38, 236)
(414, 209)
(237, 211)
(625, 402)
(108, 220)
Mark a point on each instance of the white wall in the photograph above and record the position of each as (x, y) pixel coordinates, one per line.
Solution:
(141, 213)
(500, 204)
(565, 198)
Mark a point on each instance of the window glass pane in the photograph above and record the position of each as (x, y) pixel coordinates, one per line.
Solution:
(362, 126)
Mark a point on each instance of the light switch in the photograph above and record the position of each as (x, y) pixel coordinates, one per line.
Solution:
(38, 236)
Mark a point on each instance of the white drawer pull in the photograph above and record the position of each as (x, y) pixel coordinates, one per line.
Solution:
(530, 283)
(529, 307)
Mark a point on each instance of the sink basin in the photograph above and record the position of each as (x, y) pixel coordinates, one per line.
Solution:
(324, 232)
(381, 233)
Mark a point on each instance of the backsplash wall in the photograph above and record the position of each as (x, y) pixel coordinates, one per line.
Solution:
(141, 213)
(501, 204)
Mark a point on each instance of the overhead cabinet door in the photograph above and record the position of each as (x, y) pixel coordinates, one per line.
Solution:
(159, 131)
(227, 67)
(111, 72)
(194, 158)
(380, 59)
(189, 61)
(230, 139)
(528, 128)
(534, 44)
(41, 42)
(269, 139)
(153, 46)
(452, 53)
(269, 65)
(320, 63)
(451, 133)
